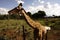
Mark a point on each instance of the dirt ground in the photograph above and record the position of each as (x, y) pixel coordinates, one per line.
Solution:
(54, 35)
(16, 35)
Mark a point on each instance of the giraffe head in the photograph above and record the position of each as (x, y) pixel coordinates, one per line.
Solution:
(16, 10)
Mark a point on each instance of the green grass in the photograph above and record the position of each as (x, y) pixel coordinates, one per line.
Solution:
(12, 23)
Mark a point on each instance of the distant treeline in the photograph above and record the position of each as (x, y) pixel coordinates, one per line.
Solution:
(37, 15)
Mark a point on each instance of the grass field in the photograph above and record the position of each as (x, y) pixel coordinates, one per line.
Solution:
(12, 29)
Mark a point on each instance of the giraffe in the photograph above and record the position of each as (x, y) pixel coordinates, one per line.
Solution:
(34, 24)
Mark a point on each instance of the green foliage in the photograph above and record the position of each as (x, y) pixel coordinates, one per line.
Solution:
(13, 16)
(3, 17)
(39, 14)
(42, 13)
(54, 23)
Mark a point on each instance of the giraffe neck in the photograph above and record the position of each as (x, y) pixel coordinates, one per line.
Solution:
(28, 19)
(31, 22)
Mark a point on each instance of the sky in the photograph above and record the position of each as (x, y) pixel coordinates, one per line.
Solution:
(51, 7)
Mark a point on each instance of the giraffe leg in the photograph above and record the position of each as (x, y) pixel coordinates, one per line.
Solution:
(36, 33)
(46, 35)
(40, 35)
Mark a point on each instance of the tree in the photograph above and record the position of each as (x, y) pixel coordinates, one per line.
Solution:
(35, 15)
(41, 13)
(29, 13)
